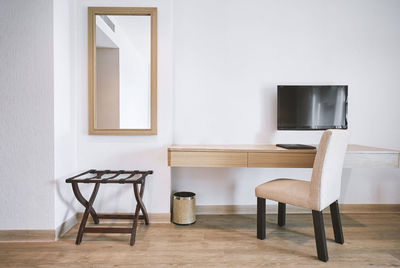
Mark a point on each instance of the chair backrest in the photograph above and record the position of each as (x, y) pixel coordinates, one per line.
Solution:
(327, 170)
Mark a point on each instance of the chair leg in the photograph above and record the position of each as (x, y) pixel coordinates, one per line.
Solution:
(319, 232)
(336, 222)
(281, 214)
(261, 218)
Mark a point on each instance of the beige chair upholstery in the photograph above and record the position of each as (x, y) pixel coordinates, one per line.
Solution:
(288, 191)
(322, 191)
(324, 187)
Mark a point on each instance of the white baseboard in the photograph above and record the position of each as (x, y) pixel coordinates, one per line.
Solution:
(244, 209)
(273, 209)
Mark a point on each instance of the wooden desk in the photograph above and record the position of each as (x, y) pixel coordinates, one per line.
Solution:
(270, 156)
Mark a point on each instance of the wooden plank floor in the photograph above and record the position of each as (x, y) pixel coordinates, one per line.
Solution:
(371, 240)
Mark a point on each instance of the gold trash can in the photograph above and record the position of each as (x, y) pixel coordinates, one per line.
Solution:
(184, 208)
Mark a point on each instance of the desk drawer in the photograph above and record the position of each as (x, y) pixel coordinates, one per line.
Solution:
(281, 160)
(207, 159)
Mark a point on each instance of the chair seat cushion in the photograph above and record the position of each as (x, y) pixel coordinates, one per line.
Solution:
(289, 191)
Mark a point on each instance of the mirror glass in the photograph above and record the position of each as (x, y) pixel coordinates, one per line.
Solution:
(122, 79)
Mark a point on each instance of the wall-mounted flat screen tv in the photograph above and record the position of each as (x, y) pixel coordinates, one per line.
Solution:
(312, 107)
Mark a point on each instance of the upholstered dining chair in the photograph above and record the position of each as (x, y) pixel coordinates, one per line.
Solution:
(322, 191)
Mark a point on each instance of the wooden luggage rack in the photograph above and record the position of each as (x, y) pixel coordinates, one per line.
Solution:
(98, 177)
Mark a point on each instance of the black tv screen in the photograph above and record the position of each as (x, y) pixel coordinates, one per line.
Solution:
(312, 107)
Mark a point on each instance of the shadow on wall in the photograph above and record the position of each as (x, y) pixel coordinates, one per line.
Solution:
(346, 175)
(217, 185)
(268, 116)
(67, 200)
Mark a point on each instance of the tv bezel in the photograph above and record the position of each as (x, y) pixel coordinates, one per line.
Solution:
(310, 128)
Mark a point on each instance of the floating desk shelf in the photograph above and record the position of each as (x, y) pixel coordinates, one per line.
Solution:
(270, 156)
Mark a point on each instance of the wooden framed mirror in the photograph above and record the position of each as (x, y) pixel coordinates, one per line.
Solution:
(122, 70)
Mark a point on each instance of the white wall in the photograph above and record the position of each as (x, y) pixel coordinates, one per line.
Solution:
(127, 152)
(26, 115)
(230, 55)
(65, 115)
(75, 150)
(226, 58)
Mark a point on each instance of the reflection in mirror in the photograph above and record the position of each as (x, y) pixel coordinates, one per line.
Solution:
(122, 91)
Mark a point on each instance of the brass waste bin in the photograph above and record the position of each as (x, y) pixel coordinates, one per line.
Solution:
(184, 208)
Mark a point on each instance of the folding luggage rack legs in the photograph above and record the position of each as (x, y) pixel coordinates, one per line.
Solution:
(135, 178)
